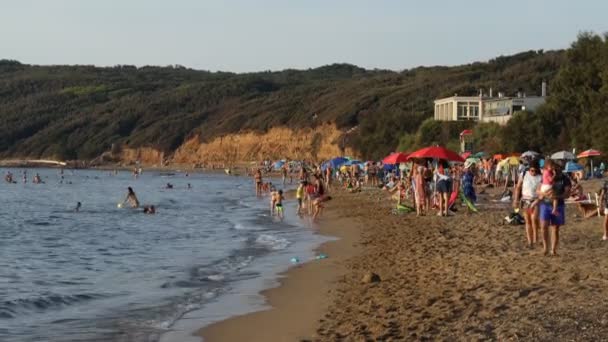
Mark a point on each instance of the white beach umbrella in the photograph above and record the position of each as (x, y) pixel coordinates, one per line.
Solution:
(563, 155)
(530, 155)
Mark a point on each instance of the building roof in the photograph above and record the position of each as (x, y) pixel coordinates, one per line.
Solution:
(508, 98)
(458, 98)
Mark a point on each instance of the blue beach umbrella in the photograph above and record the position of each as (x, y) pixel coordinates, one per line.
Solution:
(353, 161)
(572, 167)
(337, 162)
(278, 164)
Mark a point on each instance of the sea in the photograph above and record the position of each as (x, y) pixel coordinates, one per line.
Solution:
(105, 273)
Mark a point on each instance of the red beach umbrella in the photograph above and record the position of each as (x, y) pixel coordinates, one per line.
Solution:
(395, 158)
(438, 153)
(589, 153)
(465, 155)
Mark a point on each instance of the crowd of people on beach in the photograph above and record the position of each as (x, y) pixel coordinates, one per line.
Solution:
(537, 194)
(311, 192)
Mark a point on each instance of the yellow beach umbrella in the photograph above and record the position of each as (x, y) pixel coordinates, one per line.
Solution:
(512, 160)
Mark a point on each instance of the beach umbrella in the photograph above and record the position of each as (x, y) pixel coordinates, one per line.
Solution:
(353, 161)
(470, 161)
(499, 156)
(530, 155)
(573, 167)
(465, 155)
(479, 155)
(278, 164)
(337, 162)
(510, 161)
(436, 152)
(589, 153)
(395, 158)
(563, 155)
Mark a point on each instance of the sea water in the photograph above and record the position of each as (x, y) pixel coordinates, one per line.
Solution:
(115, 274)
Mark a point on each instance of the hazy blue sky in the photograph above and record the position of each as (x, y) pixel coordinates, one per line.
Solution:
(249, 35)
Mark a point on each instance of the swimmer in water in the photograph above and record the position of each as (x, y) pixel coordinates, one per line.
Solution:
(189, 186)
(149, 209)
(131, 198)
(169, 186)
(78, 205)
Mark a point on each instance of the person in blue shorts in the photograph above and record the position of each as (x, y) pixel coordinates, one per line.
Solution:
(550, 218)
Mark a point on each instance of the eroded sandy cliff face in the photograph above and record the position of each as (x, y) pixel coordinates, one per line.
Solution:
(144, 155)
(322, 142)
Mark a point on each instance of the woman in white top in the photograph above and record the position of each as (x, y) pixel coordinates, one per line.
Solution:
(526, 192)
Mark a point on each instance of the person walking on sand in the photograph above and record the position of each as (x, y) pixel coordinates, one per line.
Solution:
(318, 206)
(549, 219)
(526, 192)
(604, 204)
(468, 183)
(444, 188)
(328, 174)
(419, 190)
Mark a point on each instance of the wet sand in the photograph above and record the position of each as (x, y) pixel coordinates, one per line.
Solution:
(465, 277)
(304, 293)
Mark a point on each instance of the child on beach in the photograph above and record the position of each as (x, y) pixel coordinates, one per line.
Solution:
(300, 196)
(547, 185)
(273, 199)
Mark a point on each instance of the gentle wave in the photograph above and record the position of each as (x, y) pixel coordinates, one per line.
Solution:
(10, 308)
(272, 242)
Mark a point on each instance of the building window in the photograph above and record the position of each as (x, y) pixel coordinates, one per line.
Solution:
(474, 109)
(462, 112)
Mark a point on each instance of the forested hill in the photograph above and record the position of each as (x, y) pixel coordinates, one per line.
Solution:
(77, 112)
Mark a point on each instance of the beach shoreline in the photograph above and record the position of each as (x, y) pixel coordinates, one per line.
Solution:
(304, 293)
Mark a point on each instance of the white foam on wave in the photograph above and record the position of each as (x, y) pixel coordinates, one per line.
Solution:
(216, 277)
(273, 242)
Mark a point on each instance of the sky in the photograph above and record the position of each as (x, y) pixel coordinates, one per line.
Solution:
(257, 35)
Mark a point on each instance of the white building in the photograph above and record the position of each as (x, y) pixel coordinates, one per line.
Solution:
(486, 108)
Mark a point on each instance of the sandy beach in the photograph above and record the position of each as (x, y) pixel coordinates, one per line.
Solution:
(468, 276)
